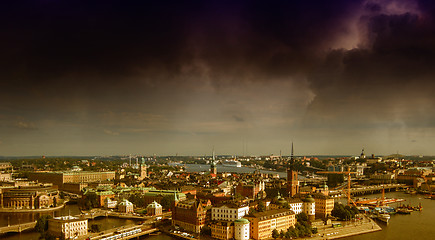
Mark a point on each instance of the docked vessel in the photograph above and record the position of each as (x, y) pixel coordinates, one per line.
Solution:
(384, 217)
(231, 163)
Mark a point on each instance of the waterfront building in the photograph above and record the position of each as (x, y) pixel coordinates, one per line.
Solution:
(109, 203)
(154, 209)
(229, 211)
(125, 206)
(382, 178)
(29, 197)
(68, 227)
(263, 223)
(60, 178)
(189, 214)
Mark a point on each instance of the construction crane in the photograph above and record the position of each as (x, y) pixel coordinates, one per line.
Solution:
(348, 172)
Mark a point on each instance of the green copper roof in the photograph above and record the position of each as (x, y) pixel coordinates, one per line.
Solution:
(242, 220)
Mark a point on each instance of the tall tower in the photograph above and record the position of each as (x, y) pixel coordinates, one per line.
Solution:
(292, 178)
(143, 169)
(213, 168)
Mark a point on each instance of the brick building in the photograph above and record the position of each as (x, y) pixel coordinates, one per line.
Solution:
(189, 214)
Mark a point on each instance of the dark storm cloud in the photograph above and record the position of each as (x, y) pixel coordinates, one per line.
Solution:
(113, 70)
(45, 41)
(388, 81)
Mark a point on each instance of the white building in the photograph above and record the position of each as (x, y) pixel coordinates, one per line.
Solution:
(229, 212)
(296, 206)
(241, 229)
(309, 207)
(109, 203)
(68, 227)
(125, 206)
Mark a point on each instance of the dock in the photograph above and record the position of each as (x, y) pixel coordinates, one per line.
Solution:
(366, 225)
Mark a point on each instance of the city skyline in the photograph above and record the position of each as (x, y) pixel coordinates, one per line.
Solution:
(244, 77)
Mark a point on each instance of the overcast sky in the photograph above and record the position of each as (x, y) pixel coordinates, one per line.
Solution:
(247, 77)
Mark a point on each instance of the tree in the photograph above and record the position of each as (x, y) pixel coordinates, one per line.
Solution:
(281, 234)
(166, 202)
(261, 207)
(42, 223)
(95, 227)
(275, 233)
(302, 217)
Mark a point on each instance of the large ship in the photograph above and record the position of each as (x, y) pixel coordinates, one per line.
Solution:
(231, 163)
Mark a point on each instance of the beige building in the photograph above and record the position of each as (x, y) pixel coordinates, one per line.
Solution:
(154, 209)
(125, 206)
(229, 212)
(222, 230)
(263, 223)
(324, 205)
(67, 227)
(60, 178)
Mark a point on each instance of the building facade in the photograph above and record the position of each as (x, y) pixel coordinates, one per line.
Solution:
(189, 214)
(60, 178)
(242, 229)
(324, 205)
(223, 230)
(292, 182)
(309, 207)
(154, 209)
(29, 197)
(125, 206)
(263, 223)
(67, 227)
(229, 212)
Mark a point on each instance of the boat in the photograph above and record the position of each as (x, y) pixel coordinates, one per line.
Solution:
(231, 163)
(384, 217)
(403, 211)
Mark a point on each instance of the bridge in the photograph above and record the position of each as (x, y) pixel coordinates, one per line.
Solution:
(366, 189)
(18, 227)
